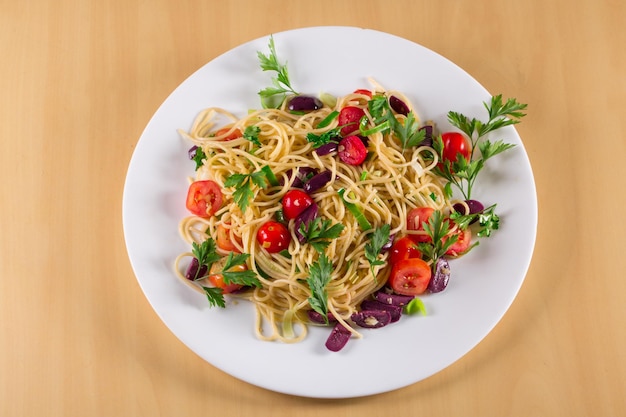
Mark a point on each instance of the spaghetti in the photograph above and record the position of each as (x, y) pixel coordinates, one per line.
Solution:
(388, 184)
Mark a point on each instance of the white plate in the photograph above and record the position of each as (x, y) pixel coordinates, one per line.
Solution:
(337, 60)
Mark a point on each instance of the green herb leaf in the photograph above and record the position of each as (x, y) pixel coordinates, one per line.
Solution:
(251, 133)
(199, 157)
(437, 228)
(324, 138)
(378, 239)
(205, 254)
(319, 232)
(319, 277)
(215, 296)
(243, 187)
(281, 84)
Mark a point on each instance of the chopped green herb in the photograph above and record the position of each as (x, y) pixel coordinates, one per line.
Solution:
(319, 277)
(245, 278)
(378, 239)
(251, 133)
(437, 228)
(215, 296)
(281, 86)
(319, 232)
(324, 138)
(243, 187)
(199, 157)
(205, 254)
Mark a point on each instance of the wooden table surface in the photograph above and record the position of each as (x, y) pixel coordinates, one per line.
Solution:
(79, 80)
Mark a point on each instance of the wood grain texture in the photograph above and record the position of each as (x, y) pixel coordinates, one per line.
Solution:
(79, 81)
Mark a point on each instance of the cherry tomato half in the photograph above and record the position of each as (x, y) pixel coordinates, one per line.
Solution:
(225, 238)
(295, 202)
(410, 276)
(273, 236)
(403, 248)
(352, 150)
(236, 134)
(462, 243)
(349, 117)
(455, 143)
(414, 220)
(204, 198)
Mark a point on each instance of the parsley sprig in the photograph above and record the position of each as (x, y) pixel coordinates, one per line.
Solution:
(437, 229)
(488, 220)
(324, 138)
(319, 232)
(281, 85)
(251, 133)
(206, 255)
(378, 239)
(243, 184)
(463, 172)
(408, 133)
(199, 156)
(318, 279)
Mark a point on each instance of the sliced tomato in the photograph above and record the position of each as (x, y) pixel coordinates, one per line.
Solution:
(236, 134)
(204, 198)
(217, 280)
(462, 243)
(273, 236)
(414, 221)
(410, 276)
(295, 202)
(352, 150)
(225, 239)
(349, 117)
(403, 248)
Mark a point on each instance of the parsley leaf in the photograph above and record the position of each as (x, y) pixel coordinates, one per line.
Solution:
(463, 172)
(378, 239)
(408, 133)
(243, 187)
(281, 84)
(215, 296)
(198, 157)
(437, 228)
(251, 133)
(205, 254)
(488, 220)
(319, 277)
(324, 138)
(242, 277)
(319, 232)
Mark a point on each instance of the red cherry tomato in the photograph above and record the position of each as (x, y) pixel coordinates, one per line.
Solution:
(414, 220)
(410, 276)
(462, 243)
(225, 239)
(236, 134)
(295, 202)
(204, 198)
(273, 236)
(455, 143)
(352, 150)
(349, 118)
(403, 248)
